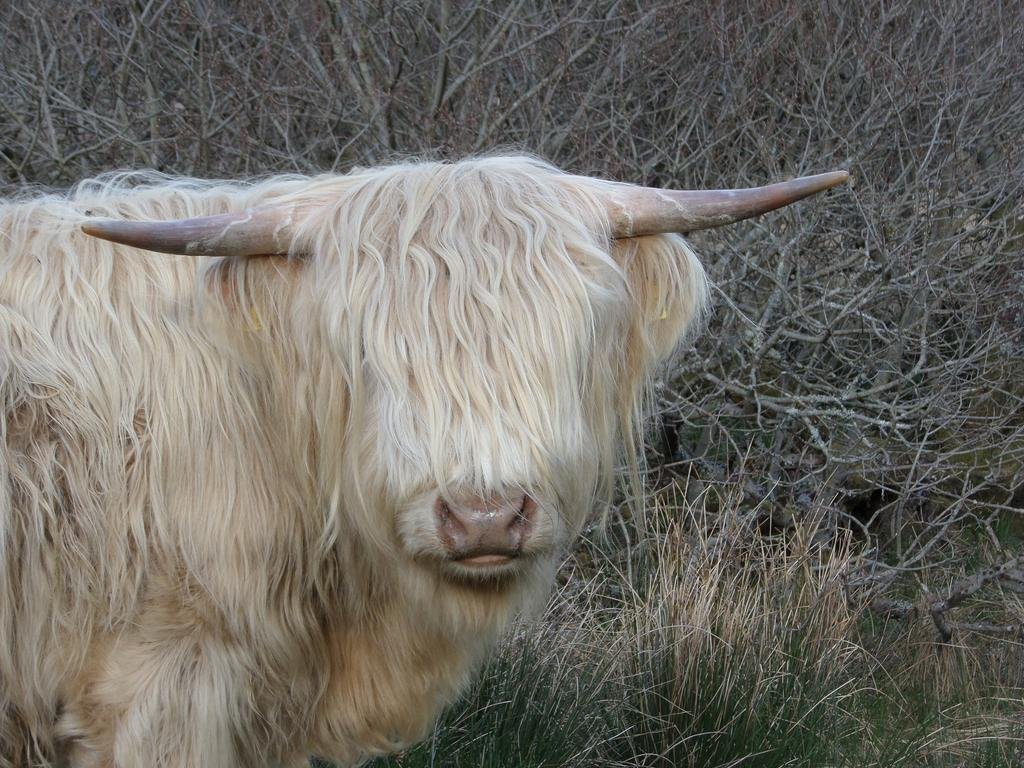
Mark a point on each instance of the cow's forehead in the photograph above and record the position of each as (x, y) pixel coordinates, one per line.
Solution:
(481, 269)
(478, 311)
(486, 208)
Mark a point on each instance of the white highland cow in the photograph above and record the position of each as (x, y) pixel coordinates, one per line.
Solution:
(254, 509)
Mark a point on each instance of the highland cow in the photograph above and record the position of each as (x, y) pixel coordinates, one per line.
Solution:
(276, 495)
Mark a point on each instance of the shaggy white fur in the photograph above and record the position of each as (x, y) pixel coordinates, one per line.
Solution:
(216, 545)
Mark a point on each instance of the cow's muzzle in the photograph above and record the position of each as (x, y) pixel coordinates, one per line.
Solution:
(484, 531)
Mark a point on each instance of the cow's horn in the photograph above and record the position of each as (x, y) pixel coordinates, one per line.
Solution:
(637, 211)
(253, 232)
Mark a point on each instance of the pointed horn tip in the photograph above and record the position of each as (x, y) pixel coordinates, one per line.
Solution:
(137, 234)
(835, 178)
(95, 228)
(113, 230)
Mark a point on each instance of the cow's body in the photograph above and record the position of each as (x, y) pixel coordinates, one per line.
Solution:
(212, 550)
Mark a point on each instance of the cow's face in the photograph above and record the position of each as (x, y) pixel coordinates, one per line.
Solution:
(494, 344)
(475, 341)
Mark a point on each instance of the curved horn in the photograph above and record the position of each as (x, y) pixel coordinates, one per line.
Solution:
(253, 232)
(637, 211)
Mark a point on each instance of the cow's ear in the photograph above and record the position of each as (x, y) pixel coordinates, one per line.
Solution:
(669, 292)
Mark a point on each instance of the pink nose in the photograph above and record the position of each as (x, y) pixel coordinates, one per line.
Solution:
(484, 531)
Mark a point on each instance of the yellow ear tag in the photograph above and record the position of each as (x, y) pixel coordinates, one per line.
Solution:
(257, 324)
(664, 315)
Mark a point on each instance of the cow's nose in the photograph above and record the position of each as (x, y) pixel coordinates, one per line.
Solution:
(489, 530)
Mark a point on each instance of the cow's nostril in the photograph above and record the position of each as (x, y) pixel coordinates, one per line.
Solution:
(523, 519)
(442, 510)
(528, 507)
